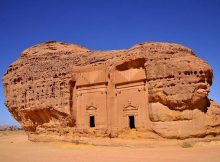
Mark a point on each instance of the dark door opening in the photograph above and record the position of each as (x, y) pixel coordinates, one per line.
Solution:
(131, 122)
(92, 121)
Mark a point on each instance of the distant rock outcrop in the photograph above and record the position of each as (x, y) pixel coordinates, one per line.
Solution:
(9, 128)
(57, 90)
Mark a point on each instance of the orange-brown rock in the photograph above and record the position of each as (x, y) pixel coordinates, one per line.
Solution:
(57, 90)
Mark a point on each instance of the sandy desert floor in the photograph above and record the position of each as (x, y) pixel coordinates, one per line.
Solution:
(14, 146)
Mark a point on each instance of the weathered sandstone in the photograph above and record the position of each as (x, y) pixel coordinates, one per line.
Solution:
(58, 90)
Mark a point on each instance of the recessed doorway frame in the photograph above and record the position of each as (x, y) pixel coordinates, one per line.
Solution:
(131, 121)
(92, 121)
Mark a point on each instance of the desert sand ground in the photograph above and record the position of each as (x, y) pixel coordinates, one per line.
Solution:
(14, 146)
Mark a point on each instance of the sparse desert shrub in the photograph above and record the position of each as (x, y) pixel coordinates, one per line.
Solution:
(186, 144)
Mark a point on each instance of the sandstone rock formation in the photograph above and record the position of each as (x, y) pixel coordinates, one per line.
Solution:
(60, 90)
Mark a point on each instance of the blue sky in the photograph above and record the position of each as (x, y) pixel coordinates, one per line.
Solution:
(112, 24)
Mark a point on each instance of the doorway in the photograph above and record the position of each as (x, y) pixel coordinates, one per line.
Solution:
(92, 121)
(131, 122)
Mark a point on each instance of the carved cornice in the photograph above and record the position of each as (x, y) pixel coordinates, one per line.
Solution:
(91, 106)
(130, 106)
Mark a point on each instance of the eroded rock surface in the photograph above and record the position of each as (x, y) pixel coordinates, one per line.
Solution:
(58, 90)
